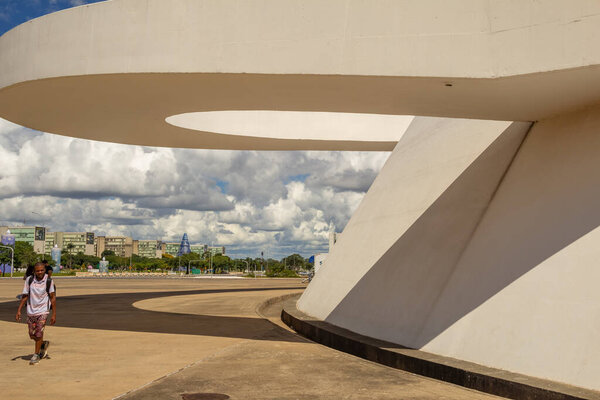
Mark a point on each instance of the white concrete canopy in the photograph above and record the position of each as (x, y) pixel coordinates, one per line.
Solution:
(479, 240)
(117, 70)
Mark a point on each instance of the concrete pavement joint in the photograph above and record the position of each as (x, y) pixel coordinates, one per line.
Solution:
(258, 309)
(190, 365)
(238, 374)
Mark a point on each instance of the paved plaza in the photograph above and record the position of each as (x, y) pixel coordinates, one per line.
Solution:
(163, 338)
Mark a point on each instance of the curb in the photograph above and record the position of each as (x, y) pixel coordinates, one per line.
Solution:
(273, 300)
(473, 376)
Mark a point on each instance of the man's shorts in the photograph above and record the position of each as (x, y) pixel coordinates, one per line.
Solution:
(36, 324)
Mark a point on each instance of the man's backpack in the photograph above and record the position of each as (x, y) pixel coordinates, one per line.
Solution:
(48, 286)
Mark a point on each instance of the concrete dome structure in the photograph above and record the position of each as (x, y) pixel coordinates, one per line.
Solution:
(479, 239)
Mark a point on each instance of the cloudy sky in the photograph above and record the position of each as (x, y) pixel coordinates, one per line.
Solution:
(248, 201)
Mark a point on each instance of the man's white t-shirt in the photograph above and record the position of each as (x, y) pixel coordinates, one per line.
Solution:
(39, 301)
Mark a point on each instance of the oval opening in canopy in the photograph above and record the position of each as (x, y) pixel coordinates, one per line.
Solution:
(297, 124)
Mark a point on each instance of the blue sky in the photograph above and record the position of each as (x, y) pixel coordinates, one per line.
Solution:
(15, 12)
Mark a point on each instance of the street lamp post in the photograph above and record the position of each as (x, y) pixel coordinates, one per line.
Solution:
(266, 263)
(131, 253)
(12, 260)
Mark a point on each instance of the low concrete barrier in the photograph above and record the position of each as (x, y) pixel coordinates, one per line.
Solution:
(470, 375)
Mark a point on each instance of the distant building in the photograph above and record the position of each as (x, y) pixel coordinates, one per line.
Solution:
(319, 261)
(76, 240)
(99, 245)
(7, 238)
(198, 248)
(184, 246)
(33, 235)
(333, 238)
(148, 248)
(216, 250)
(122, 246)
(171, 248)
(203, 248)
(83, 242)
(42, 241)
(49, 243)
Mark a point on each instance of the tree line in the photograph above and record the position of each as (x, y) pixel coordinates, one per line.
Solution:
(193, 262)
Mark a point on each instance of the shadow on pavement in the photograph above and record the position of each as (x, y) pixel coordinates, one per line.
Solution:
(116, 312)
(25, 357)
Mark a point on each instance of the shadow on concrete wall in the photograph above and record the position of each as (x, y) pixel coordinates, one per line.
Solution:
(394, 299)
(547, 202)
(432, 277)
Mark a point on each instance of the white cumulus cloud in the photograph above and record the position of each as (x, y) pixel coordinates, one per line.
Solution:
(248, 201)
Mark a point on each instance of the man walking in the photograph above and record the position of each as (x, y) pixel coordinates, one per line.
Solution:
(49, 269)
(39, 294)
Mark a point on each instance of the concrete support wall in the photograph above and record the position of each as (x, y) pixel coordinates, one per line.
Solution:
(414, 219)
(475, 244)
(525, 295)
